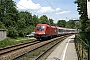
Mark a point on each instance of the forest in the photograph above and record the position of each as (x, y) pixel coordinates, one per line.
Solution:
(20, 23)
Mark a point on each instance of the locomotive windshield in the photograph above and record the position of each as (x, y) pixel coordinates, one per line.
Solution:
(40, 28)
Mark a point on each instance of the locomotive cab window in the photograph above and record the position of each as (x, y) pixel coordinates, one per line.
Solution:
(40, 28)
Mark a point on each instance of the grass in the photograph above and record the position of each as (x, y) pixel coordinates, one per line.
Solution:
(13, 41)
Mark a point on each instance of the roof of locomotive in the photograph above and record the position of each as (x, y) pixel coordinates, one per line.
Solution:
(42, 24)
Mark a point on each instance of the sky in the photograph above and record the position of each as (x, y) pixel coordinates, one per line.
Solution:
(54, 9)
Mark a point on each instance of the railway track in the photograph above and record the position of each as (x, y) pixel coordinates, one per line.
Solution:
(16, 47)
(10, 49)
(40, 50)
(14, 52)
(39, 57)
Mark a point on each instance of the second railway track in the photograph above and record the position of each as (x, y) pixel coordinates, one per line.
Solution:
(15, 51)
(6, 50)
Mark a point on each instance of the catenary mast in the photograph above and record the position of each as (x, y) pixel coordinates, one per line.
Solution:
(88, 8)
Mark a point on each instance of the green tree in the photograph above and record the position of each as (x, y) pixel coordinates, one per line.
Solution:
(51, 22)
(8, 15)
(21, 27)
(12, 32)
(78, 25)
(44, 19)
(21, 23)
(2, 26)
(85, 23)
(70, 24)
(27, 17)
(35, 20)
(1, 10)
(82, 9)
(26, 23)
(61, 23)
(7, 8)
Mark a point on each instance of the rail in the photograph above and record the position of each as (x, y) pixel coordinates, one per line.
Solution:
(49, 45)
(83, 49)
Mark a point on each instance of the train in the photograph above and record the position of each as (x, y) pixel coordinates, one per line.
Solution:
(44, 31)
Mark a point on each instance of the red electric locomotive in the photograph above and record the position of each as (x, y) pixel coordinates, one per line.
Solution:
(43, 31)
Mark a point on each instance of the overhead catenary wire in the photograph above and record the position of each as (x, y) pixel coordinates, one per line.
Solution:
(58, 7)
(55, 3)
(52, 6)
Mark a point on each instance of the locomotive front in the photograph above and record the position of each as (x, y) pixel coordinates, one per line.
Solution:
(40, 31)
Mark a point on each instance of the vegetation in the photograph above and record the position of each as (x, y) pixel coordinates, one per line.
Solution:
(61, 23)
(85, 22)
(10, 41)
